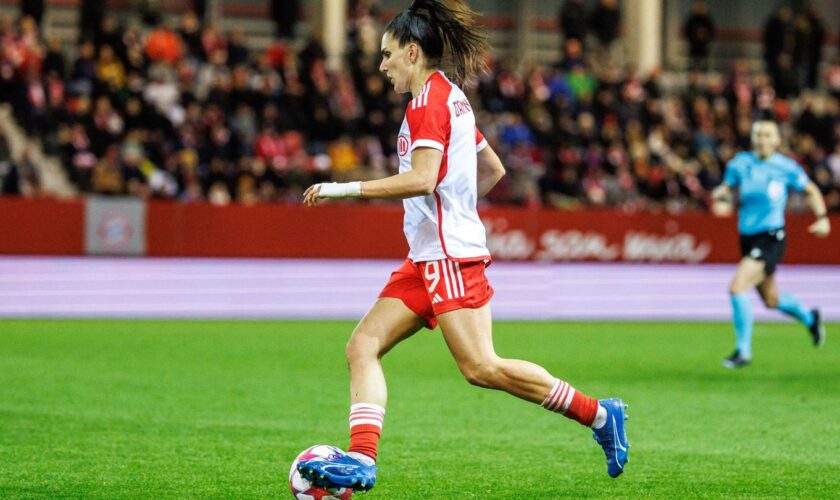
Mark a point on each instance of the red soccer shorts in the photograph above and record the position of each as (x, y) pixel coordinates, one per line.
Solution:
(438, 286)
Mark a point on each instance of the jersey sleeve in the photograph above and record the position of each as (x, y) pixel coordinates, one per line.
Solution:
(732, 174)
(480, 141)
(797, 178)
(429, 124)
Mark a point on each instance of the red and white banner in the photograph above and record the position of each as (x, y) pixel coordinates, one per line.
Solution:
(352, 230)
(608, 237)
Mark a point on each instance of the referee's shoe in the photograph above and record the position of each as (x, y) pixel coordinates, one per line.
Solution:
(736, 360)
(817, 329)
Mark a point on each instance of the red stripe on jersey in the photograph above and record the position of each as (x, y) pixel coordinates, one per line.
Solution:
(444, 168)
(440, 225)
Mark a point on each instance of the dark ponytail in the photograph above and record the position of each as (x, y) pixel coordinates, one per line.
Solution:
(448, 35)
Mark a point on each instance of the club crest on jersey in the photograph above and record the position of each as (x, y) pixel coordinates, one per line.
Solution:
(402, 145)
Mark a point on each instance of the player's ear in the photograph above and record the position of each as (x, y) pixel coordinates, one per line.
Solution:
(413, 52)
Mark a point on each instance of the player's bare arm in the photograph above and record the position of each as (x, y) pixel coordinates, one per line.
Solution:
(822, 226)
(490, 170)
(419, 181)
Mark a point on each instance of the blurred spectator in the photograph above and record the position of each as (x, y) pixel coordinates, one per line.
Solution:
(109, 69)
(777, 38)
(9, 179)
(211, 121)
(110, 33)
(786, 79)
(285, 16)
(699, 29)
(107, 174)
(572, 19)
(832, 78)
(54, 58)
(236, 48)
(33, 9)
(604, 21)
(150, 11)
(90, 18)
(808, 39)
(84, 69)
(214, 44)
(164, 45)
(190, 32)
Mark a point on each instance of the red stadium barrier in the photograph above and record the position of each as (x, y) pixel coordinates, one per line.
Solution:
(340, 230)
(42, 227)
(335, 231)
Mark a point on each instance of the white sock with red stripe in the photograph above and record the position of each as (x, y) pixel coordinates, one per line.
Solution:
(564, 399)
(365, 429)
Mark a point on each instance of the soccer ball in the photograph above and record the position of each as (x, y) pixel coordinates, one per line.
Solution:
(302, 489)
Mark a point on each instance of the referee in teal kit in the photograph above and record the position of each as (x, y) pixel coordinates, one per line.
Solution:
(762, 179)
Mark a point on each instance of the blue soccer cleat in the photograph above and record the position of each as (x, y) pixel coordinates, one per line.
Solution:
(343, 472)
(612, 437)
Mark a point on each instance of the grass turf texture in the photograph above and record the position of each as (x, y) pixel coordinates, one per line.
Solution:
(220, 409)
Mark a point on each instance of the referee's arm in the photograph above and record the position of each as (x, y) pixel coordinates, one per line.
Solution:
(822, 226)
(722, 193)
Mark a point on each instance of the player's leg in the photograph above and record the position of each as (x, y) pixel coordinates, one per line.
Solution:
(403, 308)
(790, 305)
(468, 334)
(748, 274)
(386, 324)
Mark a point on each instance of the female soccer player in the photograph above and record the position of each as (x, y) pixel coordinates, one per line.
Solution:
(445, 164)
(762, 178)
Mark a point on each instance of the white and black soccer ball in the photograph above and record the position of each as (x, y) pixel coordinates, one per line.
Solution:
(302, 489)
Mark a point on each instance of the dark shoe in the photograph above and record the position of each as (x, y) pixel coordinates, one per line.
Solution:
(817, 329)
(736, 360)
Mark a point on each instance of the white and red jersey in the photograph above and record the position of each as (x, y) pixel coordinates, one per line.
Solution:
(443, 224)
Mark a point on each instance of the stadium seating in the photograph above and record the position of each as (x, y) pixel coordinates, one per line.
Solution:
(236, 117)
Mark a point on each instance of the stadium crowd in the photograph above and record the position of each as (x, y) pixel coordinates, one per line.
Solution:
(188, 112)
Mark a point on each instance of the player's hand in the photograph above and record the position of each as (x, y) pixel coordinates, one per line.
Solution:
(821, 228)
(312, 195)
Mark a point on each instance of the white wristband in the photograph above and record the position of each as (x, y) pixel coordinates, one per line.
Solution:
(340, 190)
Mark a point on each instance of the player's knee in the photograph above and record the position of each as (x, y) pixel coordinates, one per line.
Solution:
(360, 348)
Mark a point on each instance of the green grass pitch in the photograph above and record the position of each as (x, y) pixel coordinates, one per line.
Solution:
(208, 409)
